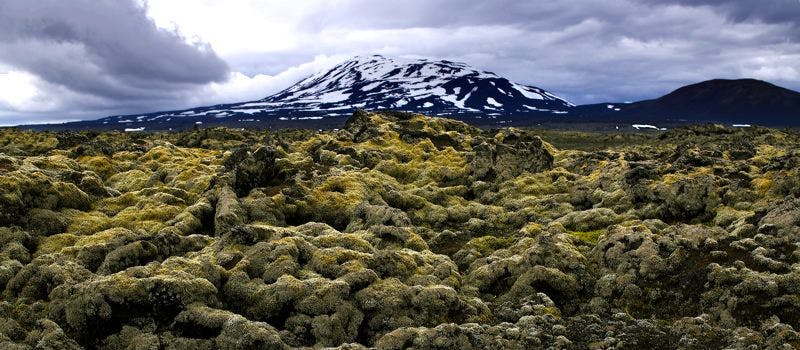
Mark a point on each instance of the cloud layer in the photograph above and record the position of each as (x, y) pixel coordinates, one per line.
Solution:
(103, 53)
(101, 47)
(68, 59)
(772, 11)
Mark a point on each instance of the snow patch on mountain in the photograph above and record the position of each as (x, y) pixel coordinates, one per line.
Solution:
(493, 102)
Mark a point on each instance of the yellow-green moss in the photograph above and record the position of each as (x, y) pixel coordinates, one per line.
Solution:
(101, 165)
(488, 244)
(54, 243)
(101, 237)
(131, 180)
(763, 185)
(590, 237)
(86, 223)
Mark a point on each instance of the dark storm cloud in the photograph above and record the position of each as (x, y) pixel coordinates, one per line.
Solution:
(445, 13)
(531, 14)
(771, 11)
(102, 48)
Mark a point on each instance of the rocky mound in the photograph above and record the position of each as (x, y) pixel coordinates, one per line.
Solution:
(399, 231)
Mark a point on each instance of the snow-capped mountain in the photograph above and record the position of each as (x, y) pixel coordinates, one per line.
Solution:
(434, 87)
(375, 82)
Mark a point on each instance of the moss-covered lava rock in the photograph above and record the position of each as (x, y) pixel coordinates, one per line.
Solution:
(400, 231)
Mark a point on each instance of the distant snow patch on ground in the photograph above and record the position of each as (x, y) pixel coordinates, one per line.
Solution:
(248, 111)
(646, 127)
(427, 105)
(134, 129)
(741, 125)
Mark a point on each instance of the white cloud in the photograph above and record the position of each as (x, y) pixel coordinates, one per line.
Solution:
(240, 87)
(18, 90)
(234, 27)
(773, 66)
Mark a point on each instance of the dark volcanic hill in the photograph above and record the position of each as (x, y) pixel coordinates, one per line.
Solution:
(736, 101)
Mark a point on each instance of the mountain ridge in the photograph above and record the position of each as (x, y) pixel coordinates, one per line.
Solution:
(456, 90)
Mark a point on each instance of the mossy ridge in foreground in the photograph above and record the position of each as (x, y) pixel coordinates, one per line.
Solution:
(400, 231)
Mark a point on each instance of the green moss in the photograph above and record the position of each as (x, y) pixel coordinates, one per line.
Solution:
(551, 310)
(17, 142)
(131, 180)
(590, 237)
(114, 205)
(86, 223)
(349, 241)
(102, 237)
(101, 165)
(55, 243)
(488, 244)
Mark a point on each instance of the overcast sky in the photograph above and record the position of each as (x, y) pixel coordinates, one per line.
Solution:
(78, 59)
